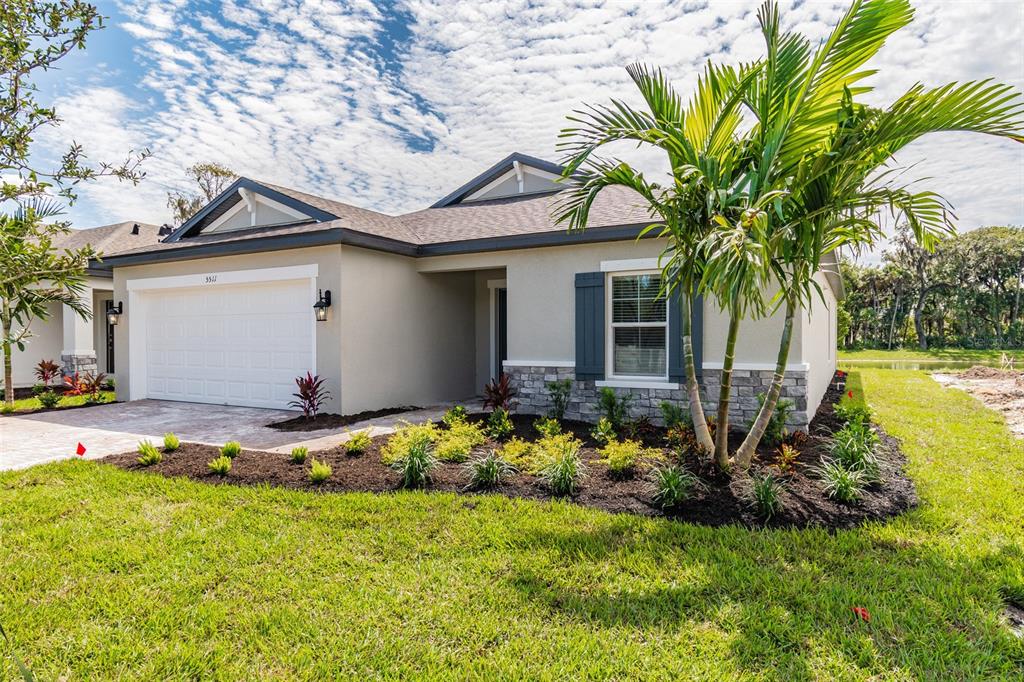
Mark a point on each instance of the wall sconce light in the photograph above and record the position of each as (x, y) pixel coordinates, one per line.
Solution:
(321, 306)
(114, 312)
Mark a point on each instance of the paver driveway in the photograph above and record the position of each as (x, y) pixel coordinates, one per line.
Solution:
(109, 429)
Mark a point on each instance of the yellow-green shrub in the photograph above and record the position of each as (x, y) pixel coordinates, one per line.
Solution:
(455, 444)
(518, 453)
(404, 438)
(623, 457)
(550, 448)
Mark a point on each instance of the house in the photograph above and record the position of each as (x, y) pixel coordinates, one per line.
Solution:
(75, 344)
(266, 283)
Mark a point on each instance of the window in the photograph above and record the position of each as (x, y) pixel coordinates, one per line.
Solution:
(638, 342)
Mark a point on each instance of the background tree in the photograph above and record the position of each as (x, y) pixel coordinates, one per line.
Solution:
(910, 257)
(211, 178)
(34, 275)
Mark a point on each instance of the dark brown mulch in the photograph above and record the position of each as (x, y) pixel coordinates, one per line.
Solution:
(23, 392)
(335, 421)
(722, 501)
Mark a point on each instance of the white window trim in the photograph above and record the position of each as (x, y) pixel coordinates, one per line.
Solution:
(637, 383)
(630, 264)
(609, 358)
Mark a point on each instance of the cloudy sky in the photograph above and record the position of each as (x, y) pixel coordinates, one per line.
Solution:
(392, 105)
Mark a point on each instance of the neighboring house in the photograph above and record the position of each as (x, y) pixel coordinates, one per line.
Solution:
(428, 306)
(75, 344)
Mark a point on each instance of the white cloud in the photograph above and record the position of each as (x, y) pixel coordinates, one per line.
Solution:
(311, 94)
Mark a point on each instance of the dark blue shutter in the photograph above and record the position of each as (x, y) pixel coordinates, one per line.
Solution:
(676, 370)
(589, 325)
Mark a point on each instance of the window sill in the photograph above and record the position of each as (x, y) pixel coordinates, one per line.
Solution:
(637, 383)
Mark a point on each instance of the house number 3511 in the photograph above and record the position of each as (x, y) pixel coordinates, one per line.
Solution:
(210, 279)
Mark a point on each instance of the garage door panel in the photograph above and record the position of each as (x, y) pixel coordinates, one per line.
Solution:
(241, 345)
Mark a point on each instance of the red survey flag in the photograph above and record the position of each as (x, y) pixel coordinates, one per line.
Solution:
(80, 450)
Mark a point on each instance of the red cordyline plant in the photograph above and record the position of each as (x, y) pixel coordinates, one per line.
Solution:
(311, 396)
(47, 371)
(499, 393)
(87, 384)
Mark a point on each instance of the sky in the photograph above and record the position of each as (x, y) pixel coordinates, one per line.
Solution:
(391, 105)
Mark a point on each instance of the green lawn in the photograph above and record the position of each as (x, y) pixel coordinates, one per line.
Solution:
(108, 574)
(955, 354)
(29, 404)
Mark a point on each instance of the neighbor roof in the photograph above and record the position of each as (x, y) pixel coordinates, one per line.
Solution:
(110, 240)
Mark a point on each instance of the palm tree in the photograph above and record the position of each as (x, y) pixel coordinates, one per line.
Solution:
(835, 158)
(700, 143)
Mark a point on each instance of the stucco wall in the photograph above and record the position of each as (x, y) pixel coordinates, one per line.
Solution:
(44, 344)
(818, 332)
(328, 334)
(407, 337)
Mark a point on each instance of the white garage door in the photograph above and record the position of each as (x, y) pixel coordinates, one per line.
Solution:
(229, 345)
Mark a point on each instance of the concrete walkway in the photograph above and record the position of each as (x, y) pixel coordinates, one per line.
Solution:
(109, 429)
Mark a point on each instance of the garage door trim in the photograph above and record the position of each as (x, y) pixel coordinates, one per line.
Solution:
(137, 307)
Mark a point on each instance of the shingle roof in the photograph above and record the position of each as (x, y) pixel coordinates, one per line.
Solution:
(110, 240)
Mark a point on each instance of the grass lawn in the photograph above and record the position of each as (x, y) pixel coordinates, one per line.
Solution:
(29, 404)
(954, 354)
(105, 573)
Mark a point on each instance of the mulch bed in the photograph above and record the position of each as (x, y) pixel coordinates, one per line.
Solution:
(723, 501)
(336, 421)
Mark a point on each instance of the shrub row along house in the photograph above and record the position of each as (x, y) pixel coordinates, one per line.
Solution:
(266, 283)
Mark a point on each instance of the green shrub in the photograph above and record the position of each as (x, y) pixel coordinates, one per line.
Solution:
(776, 431)
(547, 427)
(518, 453)
(231, 449)
(842, 484)
(623, 457)
(614, 407)
(766, 495)
(853, 446)
(148, 454)
(171, 442)
(499, 424)
(558, 392)
(416, 465)
(454, 415)
(38, 389)
(852, 412)
(673, 485)
(299, 454)
(221, 465)
(673, 414)
(604, 432)
(486, 471)
(405, 438)
(565, 471)
(6, 409)
(455, 444)
(358, 443)
(49, 399)
(319, 471)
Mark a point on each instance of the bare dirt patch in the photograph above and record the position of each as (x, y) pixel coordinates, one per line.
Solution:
(722, 500)
(998, 389)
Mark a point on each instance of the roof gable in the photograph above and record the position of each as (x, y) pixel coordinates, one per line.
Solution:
(515, 175)
(218, 214)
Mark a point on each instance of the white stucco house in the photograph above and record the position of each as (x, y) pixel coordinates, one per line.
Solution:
(423, 307)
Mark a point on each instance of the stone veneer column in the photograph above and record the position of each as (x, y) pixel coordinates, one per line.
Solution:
(583, 400)
(78, 354)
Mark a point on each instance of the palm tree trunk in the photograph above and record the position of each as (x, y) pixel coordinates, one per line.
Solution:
(5, 319)
(700, 422)
(745, 453)
(725, 395)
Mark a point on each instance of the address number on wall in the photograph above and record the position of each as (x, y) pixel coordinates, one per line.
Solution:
(210, 279)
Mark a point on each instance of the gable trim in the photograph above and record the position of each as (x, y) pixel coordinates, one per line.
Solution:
(230, 196)
(494, 172)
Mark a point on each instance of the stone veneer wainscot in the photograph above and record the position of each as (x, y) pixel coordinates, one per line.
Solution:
(533, 398)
